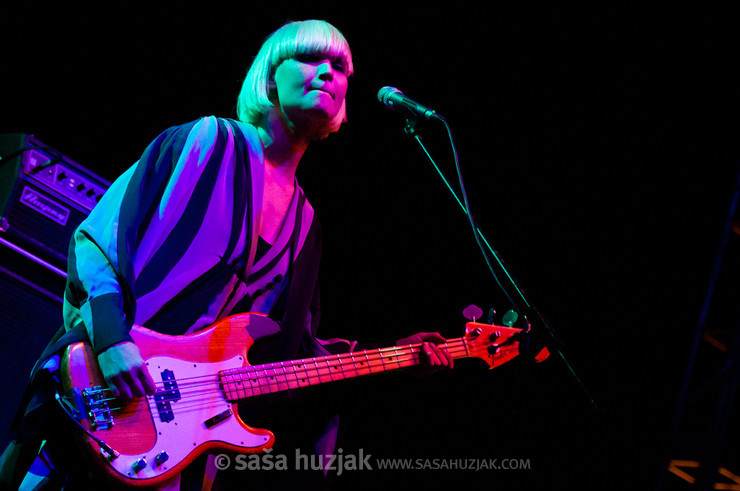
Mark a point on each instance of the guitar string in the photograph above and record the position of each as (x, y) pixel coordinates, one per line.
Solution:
(269, 383)
(362, 361)
(362, 357)
(317, 368)
(209, 383)
(190, 401)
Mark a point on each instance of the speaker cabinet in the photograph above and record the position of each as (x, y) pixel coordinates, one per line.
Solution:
(44, 196)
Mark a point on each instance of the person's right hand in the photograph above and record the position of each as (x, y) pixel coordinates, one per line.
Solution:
(125, 371)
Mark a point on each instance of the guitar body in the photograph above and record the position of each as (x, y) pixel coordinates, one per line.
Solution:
(156, 437)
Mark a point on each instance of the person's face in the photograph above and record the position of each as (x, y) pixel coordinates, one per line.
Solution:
(310, 89)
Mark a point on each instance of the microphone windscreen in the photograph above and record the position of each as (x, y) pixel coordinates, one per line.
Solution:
(384, 94)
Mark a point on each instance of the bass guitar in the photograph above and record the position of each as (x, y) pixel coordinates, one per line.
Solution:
(200, 378)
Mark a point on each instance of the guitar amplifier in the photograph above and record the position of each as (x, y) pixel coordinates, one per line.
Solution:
(44, 196)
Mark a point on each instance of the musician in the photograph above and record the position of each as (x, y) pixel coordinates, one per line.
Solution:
(209, 222)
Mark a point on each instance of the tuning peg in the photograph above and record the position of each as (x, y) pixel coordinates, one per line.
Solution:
(510, 318)
(472, 312)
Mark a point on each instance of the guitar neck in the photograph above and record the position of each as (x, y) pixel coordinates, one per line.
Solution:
(249, 381)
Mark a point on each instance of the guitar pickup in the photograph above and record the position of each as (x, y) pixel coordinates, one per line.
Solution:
(211, 422)
(164, 397)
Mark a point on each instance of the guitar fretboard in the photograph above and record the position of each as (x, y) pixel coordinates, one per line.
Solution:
(244, 382)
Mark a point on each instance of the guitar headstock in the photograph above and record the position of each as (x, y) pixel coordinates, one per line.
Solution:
(493, 344)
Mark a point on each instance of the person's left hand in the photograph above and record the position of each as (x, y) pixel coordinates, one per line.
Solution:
(434, 357)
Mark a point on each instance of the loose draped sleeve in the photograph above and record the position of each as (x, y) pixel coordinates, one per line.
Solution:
(173, 221)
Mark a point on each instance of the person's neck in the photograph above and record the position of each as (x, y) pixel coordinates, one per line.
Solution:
(282, 148)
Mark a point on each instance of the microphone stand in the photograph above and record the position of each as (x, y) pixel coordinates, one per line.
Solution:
(485, 245)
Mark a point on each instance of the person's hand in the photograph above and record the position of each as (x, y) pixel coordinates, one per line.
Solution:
(433, 357)
(125, 371)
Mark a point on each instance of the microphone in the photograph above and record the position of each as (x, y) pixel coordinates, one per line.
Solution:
(395, 99)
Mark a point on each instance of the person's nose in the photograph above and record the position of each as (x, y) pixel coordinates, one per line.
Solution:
(326, 71)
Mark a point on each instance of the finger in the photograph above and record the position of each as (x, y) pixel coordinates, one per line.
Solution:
(150, 387)
(145, 379)
(432, 357)
(131, 387)
(113, 388)
(448, 357)
(122, 388)
(136, 384)
(441, 353)
(442, 356)
(434, 337)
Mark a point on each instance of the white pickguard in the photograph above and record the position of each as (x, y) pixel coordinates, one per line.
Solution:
(187, 430)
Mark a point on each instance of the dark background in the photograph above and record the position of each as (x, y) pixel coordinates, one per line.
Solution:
(599, 149)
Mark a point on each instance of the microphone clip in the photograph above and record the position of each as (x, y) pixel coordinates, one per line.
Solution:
(409, 126)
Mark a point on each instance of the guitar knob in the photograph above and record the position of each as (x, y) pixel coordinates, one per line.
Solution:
(161, 458)
(139, 465)
(510, 318)
(472, 312)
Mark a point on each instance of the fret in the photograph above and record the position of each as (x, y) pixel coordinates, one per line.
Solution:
(408, 356)
(342, 367)
(241, 389)
(299, 372)
(333, 365)
(282, 377)
(312, 373)
(416, 355)
(366, 363)
(466, 346)
(290, 375)
(375, 367)
(255, 383)
(360, 364)
(324, 371)
(227, 384)
(268, 378)
(390, 360)
(349, 366)
(230, 386)
(254, 386)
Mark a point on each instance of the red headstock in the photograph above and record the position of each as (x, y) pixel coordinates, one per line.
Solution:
(493, 344)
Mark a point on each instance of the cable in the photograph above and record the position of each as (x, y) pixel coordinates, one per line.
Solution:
(57, 157)
(104, 447)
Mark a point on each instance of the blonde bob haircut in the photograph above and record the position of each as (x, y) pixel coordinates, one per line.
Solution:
(291, 40)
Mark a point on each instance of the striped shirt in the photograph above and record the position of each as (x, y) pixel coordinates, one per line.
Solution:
(173, 243)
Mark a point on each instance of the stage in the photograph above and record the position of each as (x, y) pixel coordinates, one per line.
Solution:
(600, 153)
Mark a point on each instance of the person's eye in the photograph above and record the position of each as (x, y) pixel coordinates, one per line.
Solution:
(307, 57)
(338, 65)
